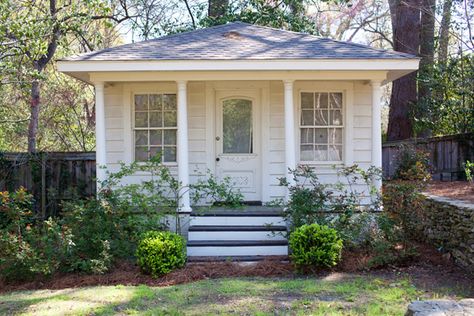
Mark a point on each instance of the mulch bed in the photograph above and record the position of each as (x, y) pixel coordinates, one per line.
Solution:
(459, 190)
(431, 269)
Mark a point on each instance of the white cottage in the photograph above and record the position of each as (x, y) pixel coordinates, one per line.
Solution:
(243, 101)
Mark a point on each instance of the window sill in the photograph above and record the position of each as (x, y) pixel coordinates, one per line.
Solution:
(322, 163)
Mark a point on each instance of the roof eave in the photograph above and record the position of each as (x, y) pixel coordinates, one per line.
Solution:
(396, 68)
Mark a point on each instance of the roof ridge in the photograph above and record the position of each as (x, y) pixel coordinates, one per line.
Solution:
(393, 52)
(202, 43)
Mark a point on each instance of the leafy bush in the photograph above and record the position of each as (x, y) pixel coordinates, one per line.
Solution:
(412, 164)
(161, 192)
(308, 198)
(329, 204)
(315, 245)
(104, 230)
(469, 171)
(93, 233)
(159, 253)
(209, 189)
(404, 203)
(27, 247)
(352, 207)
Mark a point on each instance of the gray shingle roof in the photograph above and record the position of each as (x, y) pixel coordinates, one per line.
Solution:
(240, 41)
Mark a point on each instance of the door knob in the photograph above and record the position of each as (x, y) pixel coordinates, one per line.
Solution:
(218, 159)
(218, 138)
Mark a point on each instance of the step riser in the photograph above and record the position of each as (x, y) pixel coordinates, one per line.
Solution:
(236, 235)
(235, 221)
(238, 251)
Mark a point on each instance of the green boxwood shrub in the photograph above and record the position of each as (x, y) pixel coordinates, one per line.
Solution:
(159, 253)
(315, 245)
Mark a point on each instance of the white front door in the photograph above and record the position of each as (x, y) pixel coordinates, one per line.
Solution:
(238, 153)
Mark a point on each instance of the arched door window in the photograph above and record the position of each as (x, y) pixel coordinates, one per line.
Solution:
(237, 126)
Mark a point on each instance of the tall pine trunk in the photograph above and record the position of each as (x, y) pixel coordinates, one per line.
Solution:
(406, 38)
(444, 32)
(428, 11)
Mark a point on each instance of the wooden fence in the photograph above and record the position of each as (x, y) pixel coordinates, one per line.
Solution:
(51, 177)
(447, 155)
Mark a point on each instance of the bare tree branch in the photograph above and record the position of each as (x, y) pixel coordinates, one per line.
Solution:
(190, 13)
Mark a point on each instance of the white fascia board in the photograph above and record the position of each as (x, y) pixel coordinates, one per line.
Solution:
(227, 65)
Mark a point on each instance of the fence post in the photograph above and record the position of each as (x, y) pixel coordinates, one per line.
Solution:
(43, 186)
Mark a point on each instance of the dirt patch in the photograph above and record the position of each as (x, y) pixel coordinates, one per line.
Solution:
(460, 190)
(433, 271)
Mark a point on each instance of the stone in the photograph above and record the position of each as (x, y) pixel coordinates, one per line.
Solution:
(449, 224)
(463, 307)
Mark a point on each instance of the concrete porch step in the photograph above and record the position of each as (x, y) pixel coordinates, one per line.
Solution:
(236, 233)
(219, 248)
(238, 258)
(218, 228)
(236, 243)
(244, 211)
(236, 220)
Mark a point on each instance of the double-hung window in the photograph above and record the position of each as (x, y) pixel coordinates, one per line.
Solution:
(321, 126)
(155, 126)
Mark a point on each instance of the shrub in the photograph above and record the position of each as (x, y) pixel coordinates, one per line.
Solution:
(330, 204)
(28, 247)
(352, 207)
(315, 245)
(161, 192)
(159, 253)
(102, 233)
(404, 203)
(469, 171)
(412, 164)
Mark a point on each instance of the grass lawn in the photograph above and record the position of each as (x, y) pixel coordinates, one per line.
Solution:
(335, 294)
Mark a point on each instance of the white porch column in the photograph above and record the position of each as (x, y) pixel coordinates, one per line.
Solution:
(376, 129)
(290, 146)
(100, 145)
(183, 148)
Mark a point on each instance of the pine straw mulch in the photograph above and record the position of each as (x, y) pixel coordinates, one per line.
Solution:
(458, 190)
(426, 268)
(128, 273)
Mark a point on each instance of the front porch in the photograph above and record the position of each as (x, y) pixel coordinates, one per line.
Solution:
(251, 131)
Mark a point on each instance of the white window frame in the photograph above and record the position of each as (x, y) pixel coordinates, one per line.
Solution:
(133, 128)
(342, 127)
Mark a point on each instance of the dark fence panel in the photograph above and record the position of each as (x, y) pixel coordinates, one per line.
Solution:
(447, 155)
(52, 177)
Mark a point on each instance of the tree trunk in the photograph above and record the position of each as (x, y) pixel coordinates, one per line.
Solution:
(427, 31)
(427, 57)
(444, 32)
(34, 119)
(217, 8)
(406, 38)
